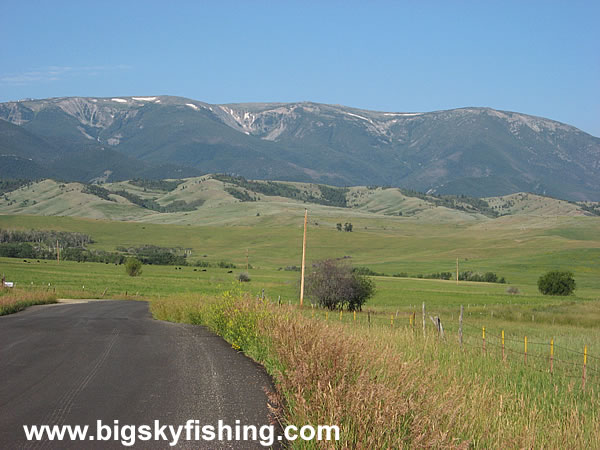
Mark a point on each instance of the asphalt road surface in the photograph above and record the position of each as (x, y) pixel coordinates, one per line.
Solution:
(75, 364)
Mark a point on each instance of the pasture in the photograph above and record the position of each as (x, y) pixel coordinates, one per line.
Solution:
(519, 248)
(384, 352)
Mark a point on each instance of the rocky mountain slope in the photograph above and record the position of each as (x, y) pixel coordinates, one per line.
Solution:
(474, 151)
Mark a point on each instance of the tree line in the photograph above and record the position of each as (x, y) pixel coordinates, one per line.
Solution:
(146, 203)
(330, 196)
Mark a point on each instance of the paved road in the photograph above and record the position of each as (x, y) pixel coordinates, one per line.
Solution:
(75, 364)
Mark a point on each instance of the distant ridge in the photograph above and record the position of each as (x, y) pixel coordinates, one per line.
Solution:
(222, 199)
(473, 151)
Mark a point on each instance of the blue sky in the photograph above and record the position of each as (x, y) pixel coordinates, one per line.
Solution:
(540, 58)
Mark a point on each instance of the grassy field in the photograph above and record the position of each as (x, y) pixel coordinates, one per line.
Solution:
(519, 248)
(393, 387)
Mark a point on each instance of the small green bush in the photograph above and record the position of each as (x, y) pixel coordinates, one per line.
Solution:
(243, 277)
(513, 290)
(133, 267)
(556, 283)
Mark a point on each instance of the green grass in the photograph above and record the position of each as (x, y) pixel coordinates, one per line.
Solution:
(518, 248)
(391, 387)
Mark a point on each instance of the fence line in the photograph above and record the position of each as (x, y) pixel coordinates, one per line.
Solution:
(481, 340)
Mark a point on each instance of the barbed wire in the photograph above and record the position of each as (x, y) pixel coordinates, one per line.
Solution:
(529, 342)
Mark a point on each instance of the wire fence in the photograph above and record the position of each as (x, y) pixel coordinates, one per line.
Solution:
(555, 360)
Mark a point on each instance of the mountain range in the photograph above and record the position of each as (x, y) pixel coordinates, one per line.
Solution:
(479, 152)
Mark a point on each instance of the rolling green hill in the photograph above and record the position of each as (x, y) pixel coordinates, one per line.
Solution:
(473, 151)
(220, 199)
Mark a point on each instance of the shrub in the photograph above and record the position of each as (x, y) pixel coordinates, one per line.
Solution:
(556, 283)
(513, 290)
(243, 277)
(334, 285)
(133, 267)
(490, 277)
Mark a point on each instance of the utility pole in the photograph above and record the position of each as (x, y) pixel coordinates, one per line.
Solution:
(303, 258)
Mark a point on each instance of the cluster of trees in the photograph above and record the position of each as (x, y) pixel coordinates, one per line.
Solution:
(488, 277)
(9, 185)
(220, 264)
(333, 196)
(147, 203)
(98, 191)
(346, 227)
(592, 208)
(332, 284)
(47, 237)
(154, 255)
(158, 185)
(29, 251)
(242, 196)
(458, 202)
(152, 204)
(270, 188)
(367, 271)
(330, 196)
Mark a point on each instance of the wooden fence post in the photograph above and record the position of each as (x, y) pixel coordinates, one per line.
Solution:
(392, 321)
(423, 318)
(525, 349)
(551, 356)
(460, 319)
(584, 366)
(303, 258)
(369, 318)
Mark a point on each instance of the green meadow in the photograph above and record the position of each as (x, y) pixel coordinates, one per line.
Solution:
(519, 248)
(465, 379)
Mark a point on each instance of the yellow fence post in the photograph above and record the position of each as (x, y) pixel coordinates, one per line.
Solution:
(483, 334)
(525, 349)
(503, 356)
(355, 316)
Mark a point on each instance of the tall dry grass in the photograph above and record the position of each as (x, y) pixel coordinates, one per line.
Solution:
(388, 388)
(13, 300)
